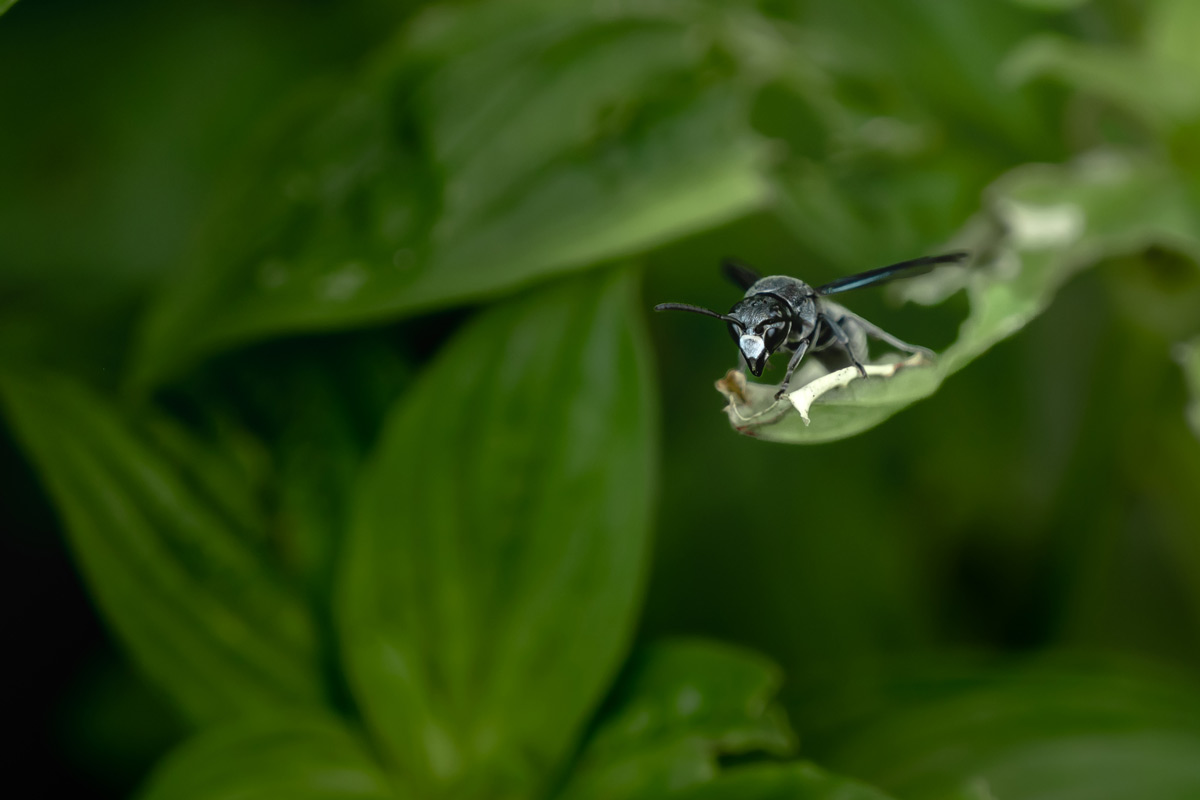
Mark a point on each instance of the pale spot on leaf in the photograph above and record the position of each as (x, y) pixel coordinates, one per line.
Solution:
(272, 274)
(688, 701)
(1042, 227)
(343, 283)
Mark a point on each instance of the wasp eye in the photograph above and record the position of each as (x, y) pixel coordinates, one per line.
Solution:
(774, 337)
(735, 332)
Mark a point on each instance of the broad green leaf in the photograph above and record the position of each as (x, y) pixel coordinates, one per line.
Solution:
(170, 550)
(682, 704)
(438, 177)
(288, 756)
(545, 105)
(1041, 225)
(499, 542)
(1049, 731)
(795, 781)
(1159, 92)
(1188, 356)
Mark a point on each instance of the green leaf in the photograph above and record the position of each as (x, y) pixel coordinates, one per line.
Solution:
(1158, 92)
(1063, 731)
(1168, 38)
(168, 543)
(1053, 5)
(442, 176)
(315, 413)
(798, 781)
(293, 757)
(5, 5)
(1041, 225)
(499, 541)
(907, 67)
(665, 184)
(1188, 356)
(1155, 80)
(681, 705)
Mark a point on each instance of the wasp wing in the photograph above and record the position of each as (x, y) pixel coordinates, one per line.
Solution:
(905, 269)
(739, 273)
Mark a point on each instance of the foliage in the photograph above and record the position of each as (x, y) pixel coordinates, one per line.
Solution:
(364, 471)
(173, 551)
(1054, 729)
(565, 138)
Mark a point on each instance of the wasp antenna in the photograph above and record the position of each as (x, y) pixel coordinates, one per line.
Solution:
(905, 269)
(695, 310)
(739, 273)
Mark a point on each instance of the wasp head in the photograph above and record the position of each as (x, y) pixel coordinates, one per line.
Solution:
(760, 325)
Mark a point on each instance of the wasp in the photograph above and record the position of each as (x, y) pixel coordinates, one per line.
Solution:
(784, 313)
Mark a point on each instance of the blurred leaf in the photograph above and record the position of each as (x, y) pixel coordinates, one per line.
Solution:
(820, 208)
(1159, 94)
(315, 412)
(5, 5)
(499, 542)
(318, 461)
(662, 186)
(442, 176)
(151, 102)
(561, 94)
(799, 781)
(908, 126)
(1169, 24)
(1044, 731)
(1155, 82)
(170, 553)
(293, 757)
(1188, 356)
(682, 705)
(976, 789)
(1040, 226)
(932, 64)
(874, 208)
(1053, 5)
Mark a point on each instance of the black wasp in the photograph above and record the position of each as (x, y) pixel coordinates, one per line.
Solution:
(783, 312)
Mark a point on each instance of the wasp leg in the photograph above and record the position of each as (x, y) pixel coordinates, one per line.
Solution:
(844, 341)
(801, 349)
(879, 333)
